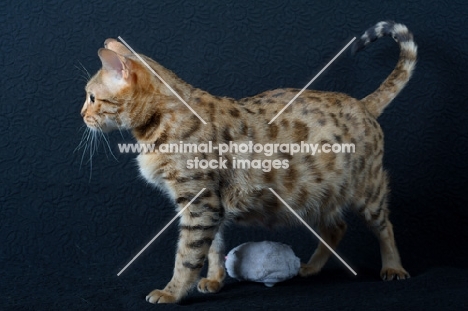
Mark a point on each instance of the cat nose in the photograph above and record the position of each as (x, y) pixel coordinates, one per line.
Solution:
(83, 112)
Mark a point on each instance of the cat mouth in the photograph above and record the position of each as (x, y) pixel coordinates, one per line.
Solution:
(90, 122)
(93, 124)
(104, 127)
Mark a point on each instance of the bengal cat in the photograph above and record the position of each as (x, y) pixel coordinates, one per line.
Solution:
(124, 94)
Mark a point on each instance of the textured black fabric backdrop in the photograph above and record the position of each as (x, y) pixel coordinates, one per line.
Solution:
(67, 230)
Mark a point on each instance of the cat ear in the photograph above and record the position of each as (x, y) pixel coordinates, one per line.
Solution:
(111, 61)
(116, 46)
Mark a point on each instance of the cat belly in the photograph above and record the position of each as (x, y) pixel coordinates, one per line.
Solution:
(262, 208)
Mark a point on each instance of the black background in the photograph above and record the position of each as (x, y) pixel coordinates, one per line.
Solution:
(67, 229)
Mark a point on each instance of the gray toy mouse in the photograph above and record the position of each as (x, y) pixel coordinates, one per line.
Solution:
(265, 262)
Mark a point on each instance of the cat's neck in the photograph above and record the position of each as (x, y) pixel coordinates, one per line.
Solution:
(161, 113)
(156, 113)
(161, 103)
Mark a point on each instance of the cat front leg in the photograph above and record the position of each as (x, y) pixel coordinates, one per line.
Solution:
(216, 271)
(199, 225)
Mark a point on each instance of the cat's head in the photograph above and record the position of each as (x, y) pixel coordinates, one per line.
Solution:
(114, 93)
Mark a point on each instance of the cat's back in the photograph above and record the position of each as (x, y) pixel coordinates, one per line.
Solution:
(314, 117)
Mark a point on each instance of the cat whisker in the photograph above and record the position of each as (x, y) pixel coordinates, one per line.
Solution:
(106, 140)
(87, 140)
(85, 70)
(93, 144)
(90, 161)
(84, 74)
(82, 156)
(85, 148)
(83, 140)
(83, 77)
(118, 127)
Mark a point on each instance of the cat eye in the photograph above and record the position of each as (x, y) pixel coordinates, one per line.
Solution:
(91, 97)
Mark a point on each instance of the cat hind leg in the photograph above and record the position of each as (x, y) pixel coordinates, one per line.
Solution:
(332, 235)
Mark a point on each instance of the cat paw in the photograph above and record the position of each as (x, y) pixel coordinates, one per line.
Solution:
(389, 274)
(209, 286)
(308, 270)
(160, 296)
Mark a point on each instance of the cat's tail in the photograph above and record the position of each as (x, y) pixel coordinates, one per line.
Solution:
(396, 81)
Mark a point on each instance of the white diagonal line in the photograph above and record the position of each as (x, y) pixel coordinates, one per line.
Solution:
(162, 80)
(160, 232)
(312, 230)
(313, 79)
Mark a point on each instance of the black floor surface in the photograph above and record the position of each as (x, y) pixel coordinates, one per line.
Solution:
(86, 288)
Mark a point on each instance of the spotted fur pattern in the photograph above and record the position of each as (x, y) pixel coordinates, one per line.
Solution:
(124, 94)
